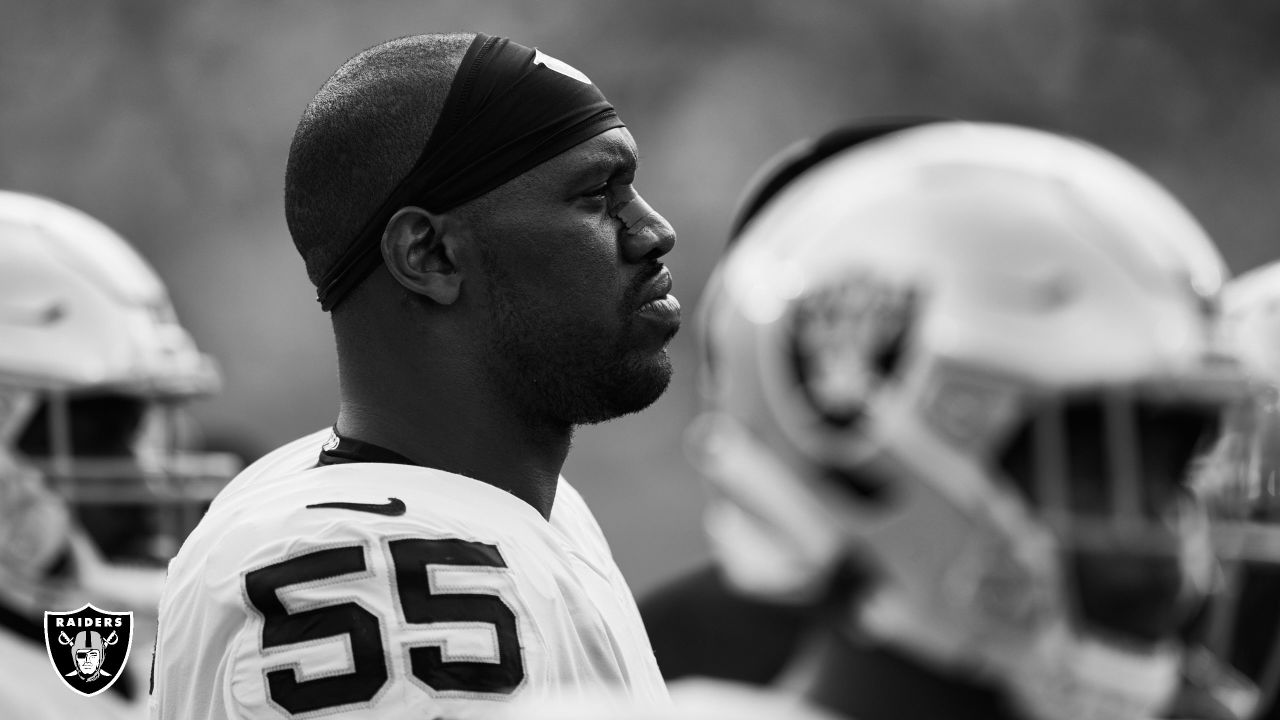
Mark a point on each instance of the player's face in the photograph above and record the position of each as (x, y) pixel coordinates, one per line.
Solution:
(570, 292)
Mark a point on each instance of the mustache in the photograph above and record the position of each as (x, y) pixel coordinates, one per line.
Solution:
(638, 287)
(640, 282)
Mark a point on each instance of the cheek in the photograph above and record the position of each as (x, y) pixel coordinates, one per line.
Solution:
(573, 263)
(585, 293)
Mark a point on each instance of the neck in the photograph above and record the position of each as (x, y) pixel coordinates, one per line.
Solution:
(875, 683)
(526, 465)
(448, 416)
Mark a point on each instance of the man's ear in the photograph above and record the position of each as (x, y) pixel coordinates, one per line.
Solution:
(418, 249)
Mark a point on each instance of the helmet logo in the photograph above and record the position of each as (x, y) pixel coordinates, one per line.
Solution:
(88, 647)
(846, 340)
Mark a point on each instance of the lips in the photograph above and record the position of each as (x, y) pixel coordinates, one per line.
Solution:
(656, 287)
(665, 305)
(656, 300)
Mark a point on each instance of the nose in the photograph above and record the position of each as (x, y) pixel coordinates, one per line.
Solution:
(650, 238)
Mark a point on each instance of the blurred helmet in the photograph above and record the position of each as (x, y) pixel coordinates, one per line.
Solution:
(1248, 456)
(1240, 480)
(979, 359)
(94, 370)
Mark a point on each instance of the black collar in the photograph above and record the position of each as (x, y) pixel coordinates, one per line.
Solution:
(341, 450)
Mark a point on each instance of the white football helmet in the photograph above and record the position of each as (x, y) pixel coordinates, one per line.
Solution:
(979, 359)
(94, 369)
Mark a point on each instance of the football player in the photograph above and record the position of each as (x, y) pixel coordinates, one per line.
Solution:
(94, 492)
(975, 362)
(700, 626)
(464, 205)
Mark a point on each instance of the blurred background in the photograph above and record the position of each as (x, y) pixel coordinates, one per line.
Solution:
(171, 121)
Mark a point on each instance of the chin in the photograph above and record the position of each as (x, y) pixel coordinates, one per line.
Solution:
(635, 387)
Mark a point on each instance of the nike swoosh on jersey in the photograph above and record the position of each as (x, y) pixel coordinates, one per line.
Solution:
(391, 508)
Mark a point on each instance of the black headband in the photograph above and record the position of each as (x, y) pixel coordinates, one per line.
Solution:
(510, 108)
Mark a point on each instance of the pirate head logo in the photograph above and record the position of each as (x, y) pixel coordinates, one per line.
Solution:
(89, 650)
(847, 338)
(88, 647)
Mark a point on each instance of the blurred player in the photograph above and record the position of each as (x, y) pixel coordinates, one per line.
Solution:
(464, 205)
(975, 362)
(700, 626)
(988, 364)
(94, 370)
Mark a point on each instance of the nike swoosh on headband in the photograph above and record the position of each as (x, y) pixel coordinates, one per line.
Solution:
(393, 507)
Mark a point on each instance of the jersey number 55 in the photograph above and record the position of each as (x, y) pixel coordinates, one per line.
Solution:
(468, 641)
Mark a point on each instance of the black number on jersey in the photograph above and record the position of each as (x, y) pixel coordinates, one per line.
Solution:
(420, 605)
(280, 627)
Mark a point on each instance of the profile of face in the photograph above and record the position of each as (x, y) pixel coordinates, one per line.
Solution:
(578, 300)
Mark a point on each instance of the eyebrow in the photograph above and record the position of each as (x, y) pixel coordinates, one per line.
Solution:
(610, 165)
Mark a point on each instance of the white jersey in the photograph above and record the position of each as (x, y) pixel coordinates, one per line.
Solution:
(401, 592)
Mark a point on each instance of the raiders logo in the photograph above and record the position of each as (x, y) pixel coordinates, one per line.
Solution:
(846, 340)
(88, 647)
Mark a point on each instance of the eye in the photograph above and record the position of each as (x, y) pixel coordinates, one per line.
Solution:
(599, 193)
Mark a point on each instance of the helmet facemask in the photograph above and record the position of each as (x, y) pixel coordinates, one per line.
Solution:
(1236, 637)
(122, 462)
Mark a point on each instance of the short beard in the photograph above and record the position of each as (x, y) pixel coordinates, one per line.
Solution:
(565, 374)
